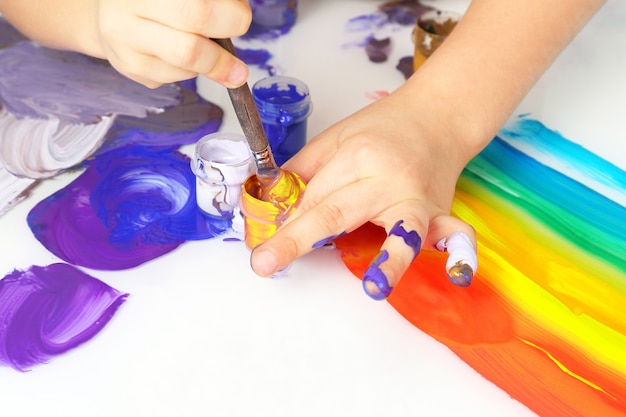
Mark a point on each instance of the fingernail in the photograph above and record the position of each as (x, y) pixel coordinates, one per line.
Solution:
(263, 262)
(375, 282)
(238, 74)
(461, 274)
(462, 258)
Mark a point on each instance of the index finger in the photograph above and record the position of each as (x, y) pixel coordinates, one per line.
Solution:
(210, 18)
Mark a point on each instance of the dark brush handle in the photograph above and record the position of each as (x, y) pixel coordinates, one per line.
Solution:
(245, 109)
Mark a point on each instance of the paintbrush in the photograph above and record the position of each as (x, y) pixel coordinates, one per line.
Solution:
(250, 121)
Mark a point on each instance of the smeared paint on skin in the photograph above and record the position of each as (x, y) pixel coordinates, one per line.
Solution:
(326, 241)
(375, 282)
(46, 311)
(548, 298)
(462, 259)
(411, 238)
(131, 205)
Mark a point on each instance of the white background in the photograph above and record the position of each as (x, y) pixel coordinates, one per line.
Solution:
(201, 335)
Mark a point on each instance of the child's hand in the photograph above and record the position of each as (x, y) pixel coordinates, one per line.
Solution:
(161, 41)
(381, 166)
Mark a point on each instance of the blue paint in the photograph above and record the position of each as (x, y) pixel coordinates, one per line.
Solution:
(374, 277)
(284, 105)
(257, 57)
(412, 239)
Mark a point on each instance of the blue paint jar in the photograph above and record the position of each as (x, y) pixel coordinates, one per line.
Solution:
(274, 13)
(284, 104)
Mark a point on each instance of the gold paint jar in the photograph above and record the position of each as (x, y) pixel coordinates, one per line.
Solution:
(431, 29)
(267, 203)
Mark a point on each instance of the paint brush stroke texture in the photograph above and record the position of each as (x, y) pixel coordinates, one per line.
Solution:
(544, 318)
(136, 199)
(58, 106)
(46, 311)
(131, 205)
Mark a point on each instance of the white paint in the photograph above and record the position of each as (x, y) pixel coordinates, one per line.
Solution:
(222, 161)
(460, 250)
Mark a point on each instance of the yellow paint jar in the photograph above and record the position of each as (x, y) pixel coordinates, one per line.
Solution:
(431, 29)
(267, 202)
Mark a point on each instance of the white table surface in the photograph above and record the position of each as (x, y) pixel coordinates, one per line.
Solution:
(202, 335)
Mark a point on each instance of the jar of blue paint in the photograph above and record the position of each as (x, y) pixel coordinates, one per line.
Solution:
(274, 13)
(284, 104)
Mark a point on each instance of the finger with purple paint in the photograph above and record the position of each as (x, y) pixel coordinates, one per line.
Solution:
(375, 166)
(384, 272)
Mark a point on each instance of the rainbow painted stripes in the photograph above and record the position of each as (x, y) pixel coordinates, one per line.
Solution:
(545, 318)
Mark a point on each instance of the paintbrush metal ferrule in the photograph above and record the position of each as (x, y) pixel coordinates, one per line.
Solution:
(266, 166)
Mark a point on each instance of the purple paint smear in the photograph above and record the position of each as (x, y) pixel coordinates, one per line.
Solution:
(404, 12)
(182, 124)
(412, 239)
(378, 50)
(374, 276)
(8, 34)
(405, 66)
(46, 311)
(38, 82)
(133, 203)
(390, 14)
(130, 206)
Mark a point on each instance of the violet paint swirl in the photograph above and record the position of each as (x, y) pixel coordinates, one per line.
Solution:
(131, 205)
(46, 311)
